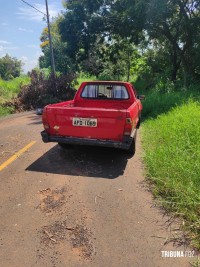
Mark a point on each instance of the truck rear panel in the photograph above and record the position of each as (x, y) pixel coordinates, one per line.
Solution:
(103, 113)
(101, 123)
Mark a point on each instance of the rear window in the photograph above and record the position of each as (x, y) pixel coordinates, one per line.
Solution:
(105, 91)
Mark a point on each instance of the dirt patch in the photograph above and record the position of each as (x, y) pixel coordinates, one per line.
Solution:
(79, 236)
(51, 200)
(81, 241)
(54, 233)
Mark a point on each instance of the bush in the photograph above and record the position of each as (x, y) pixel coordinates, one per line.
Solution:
(42, 91)
(10, 67)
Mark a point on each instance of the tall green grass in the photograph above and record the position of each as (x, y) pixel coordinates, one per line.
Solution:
(171, 144)
(157, 103)
(83, 78)
(10, 89)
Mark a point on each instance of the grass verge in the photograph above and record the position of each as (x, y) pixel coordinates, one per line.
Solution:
(10, 89)
(171, 143)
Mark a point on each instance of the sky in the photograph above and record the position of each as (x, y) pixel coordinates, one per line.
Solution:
(21, 27)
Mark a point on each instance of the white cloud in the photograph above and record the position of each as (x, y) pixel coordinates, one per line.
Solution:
(29, 13)
(33, 46)
(11, 48)
(24, 59)
(24, 30)
(4, 24)
(30, 64)
(39, 53)
(4, 42)
(6, 49)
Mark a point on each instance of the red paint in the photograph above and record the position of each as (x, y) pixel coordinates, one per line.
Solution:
(115, 117)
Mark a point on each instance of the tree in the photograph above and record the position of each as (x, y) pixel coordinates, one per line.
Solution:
(63, 63)
(173, 26)
(177, 23)
(10, 67)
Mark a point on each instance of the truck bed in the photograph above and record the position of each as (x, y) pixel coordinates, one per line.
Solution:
(110, 121)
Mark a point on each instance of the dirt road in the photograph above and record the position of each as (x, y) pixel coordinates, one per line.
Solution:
(81, 207)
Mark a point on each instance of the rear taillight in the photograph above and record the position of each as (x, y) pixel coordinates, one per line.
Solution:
(46, 126)
(44, 120)
(128, 126)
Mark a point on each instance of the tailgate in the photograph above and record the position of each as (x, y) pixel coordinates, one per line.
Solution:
(106, 124)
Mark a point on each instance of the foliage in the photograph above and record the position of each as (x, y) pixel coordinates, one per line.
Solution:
(164, 97)
(6, 110)
(10, 89)
(167, 32)
(42, 91)
(63, 63)
(172, 153)
(10, 67)
(83, 78)
(177, 24)
(110, 60)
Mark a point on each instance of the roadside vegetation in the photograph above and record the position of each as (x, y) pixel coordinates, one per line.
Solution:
(9, 90)
(171, 142)
(83, 78)
(40, 91)
(37, 89)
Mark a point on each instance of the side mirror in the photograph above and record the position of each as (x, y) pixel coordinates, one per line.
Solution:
(141, 97)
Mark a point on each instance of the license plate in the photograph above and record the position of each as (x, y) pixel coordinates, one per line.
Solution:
(85, 122)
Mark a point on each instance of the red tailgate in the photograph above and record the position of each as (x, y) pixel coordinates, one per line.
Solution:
(109, 122)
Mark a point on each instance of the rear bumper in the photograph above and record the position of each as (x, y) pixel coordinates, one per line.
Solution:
(85, 141)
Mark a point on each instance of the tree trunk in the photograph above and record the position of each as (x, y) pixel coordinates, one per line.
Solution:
(128, 66)
(175, 64)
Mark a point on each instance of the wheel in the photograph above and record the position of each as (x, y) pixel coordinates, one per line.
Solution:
(138, 124)
(131, 150)
(65, 146)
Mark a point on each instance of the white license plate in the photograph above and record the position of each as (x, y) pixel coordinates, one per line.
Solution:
(86, 122)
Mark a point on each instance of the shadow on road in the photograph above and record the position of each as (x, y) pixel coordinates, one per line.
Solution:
(82, 161)
(36, 119)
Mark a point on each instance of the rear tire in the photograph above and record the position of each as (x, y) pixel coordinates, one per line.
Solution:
(131, 150)
(138, 124)
(65, 146)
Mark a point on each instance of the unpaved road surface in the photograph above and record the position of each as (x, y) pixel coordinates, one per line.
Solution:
(80, 207)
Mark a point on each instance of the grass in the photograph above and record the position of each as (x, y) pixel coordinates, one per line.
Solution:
(171, 144)
(10, 89)
(84, 79)
(157, 103)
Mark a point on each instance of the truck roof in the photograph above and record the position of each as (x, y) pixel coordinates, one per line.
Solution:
(106, 82)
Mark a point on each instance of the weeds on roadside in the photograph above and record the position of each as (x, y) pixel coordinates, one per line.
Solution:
(158, 102)
(10, 89)
(172, 154)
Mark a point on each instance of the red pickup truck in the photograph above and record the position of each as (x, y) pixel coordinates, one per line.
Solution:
(102, 113)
